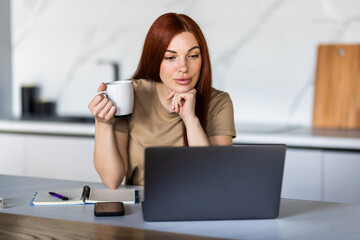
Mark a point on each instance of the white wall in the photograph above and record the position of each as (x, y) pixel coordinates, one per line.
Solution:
(263, 51)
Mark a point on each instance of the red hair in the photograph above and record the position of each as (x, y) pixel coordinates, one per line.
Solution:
(160, 34)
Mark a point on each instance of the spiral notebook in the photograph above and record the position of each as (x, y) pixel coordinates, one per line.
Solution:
(43, 198)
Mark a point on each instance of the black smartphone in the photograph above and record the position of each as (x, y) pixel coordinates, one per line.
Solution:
(109, 209)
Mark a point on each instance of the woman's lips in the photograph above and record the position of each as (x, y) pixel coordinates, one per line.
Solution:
(183, 81)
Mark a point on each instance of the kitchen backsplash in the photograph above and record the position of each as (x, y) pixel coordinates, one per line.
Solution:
(263, 52)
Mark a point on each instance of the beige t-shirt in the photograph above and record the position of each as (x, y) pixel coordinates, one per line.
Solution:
(151, 125)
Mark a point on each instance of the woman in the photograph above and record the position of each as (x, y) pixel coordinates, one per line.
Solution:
(174, 104)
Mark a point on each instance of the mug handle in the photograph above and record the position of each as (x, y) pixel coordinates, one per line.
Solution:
(105, 93)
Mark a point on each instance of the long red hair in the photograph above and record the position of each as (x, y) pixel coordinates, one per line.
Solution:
(160, 34)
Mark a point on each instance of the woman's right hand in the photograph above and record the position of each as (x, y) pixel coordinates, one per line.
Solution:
(102, 108)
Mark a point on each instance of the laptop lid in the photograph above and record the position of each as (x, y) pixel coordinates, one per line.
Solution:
(208, 183)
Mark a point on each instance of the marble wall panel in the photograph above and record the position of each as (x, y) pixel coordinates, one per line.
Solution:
(263, 51)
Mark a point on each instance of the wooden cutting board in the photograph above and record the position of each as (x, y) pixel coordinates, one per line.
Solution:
(337, 87)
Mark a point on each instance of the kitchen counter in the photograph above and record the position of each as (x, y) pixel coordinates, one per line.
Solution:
(292, 136)
(298, 136)
(64, 128)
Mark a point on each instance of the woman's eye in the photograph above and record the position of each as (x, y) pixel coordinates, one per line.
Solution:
(169, 58)
(194, 56)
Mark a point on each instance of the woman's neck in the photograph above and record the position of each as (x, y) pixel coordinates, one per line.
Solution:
(162, 92)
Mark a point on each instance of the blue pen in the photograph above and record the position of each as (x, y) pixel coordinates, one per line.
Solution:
(58, 196)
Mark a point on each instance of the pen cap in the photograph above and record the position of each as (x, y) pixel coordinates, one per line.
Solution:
(86, 192)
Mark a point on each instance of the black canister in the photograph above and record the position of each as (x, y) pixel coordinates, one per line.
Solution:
(29, 95)
(45, 109)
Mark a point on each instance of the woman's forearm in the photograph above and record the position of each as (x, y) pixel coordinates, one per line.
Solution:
(107, 158)
(195, 133)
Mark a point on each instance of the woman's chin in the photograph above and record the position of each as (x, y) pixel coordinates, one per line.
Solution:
(182, 88)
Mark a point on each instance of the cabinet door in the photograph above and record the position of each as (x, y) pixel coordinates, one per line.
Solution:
(61, 157)
(302, 174)
(342, 176)
(12, 154)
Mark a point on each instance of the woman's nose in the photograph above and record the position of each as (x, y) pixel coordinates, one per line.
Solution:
(183, 66)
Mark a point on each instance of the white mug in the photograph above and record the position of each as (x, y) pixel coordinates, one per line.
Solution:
(121, 93)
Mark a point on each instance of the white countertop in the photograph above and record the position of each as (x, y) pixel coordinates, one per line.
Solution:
(298, 136)
(292, 136)
(48, 128)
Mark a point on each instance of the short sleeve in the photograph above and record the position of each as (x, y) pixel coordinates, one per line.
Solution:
(121, 124)
(221, 115)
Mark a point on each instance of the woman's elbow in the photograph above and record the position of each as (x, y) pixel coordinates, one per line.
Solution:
(113, 184)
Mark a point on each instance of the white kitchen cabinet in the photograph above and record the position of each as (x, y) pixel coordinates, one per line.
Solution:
(302, 174)
(12, 155)
(62, 157)
(310, 174)
(324, 175)
(342, 176)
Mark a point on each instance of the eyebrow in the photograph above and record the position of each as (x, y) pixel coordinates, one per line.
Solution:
(171, 51)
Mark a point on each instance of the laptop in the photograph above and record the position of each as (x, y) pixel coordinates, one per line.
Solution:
(213, 183)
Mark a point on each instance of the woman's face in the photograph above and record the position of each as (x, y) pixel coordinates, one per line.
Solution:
(181, 66)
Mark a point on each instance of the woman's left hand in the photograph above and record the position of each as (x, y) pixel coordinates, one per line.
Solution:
(184, 104)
